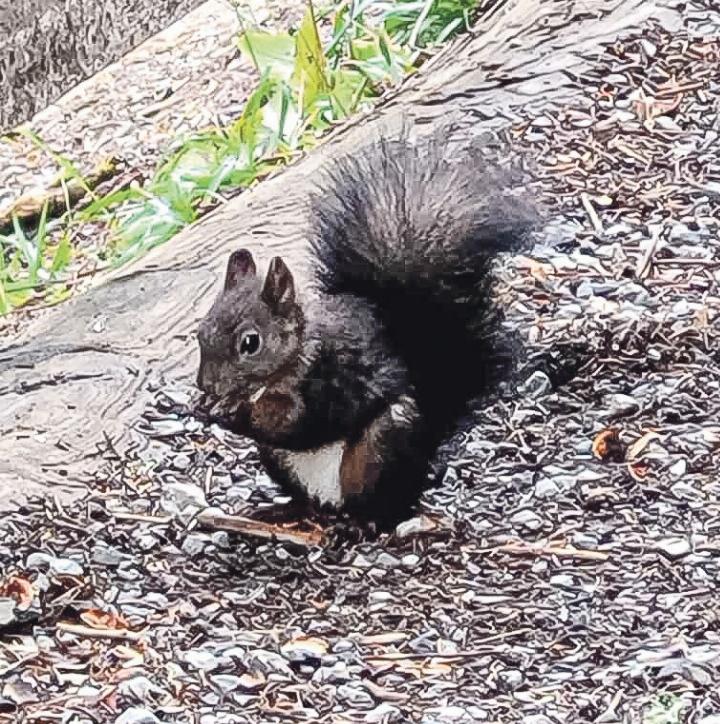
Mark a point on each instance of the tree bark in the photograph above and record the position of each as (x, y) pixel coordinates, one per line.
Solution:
(81, 372)
(49, 46)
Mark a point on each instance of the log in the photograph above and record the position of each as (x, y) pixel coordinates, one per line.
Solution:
(82, 370)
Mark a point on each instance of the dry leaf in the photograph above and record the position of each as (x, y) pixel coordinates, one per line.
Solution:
(420, 668)
(252, 681)
(130, 657)
(536, 269)
(607, 445)
(641, 443)
(639, 470)
(393, 637)
(19, 589)
(702, 318)
(537, 272)
(96, 618)
(307, 645)
(648, 108)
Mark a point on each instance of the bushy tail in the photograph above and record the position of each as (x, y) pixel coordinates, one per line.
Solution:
(429, 215)
(413, 228)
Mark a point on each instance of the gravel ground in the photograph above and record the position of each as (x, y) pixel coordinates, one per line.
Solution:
(564, 569)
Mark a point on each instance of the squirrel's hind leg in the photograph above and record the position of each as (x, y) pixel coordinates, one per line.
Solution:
(378, 476)
(382, 474)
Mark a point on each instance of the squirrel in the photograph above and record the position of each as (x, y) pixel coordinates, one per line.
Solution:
(350, 384)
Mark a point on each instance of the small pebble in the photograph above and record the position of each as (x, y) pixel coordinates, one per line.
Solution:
(386, 560)
(195, 543)
(546, 488)
(166, 428)
(7, 611)
(199, 659)
(528, 519)
(674, 547)
(678, 469)
(447, 714)
(355, 695)
(181, 462)
(384, 714)
(38, 561)
(226, 682)
(65, 567)
(182, 499)
(620, 405)
(537, 385)
(136, 715)
(414, 526)
(511, 679)
(107, 556)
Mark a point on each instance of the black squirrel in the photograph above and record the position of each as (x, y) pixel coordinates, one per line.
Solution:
(349, 387)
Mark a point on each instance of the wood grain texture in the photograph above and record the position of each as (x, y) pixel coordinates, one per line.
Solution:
(81, 372)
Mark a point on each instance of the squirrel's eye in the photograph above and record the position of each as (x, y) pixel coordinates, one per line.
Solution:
(250, 343)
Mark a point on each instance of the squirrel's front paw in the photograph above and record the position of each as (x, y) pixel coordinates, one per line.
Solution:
(231, 413)
(274, 417)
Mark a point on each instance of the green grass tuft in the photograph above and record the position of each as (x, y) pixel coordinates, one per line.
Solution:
(306, 85)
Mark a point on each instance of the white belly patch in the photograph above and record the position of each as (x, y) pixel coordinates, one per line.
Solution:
(318, 471)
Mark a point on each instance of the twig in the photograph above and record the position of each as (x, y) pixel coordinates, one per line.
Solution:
(140, 518)
(384, 694)
(259, 529)
(399, 656)
(643, 265)
(7, 668)
(594, 218)
(29, 207)
(687, 261)
(713, 190)
(679, 88)
(628, 151)
(99, 633)
(522, 549)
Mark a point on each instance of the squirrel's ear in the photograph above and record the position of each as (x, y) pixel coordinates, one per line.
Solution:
(279, 289)
(240, 264)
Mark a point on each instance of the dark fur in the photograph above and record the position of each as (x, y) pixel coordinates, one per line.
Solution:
(405, 235)
(413, 230)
